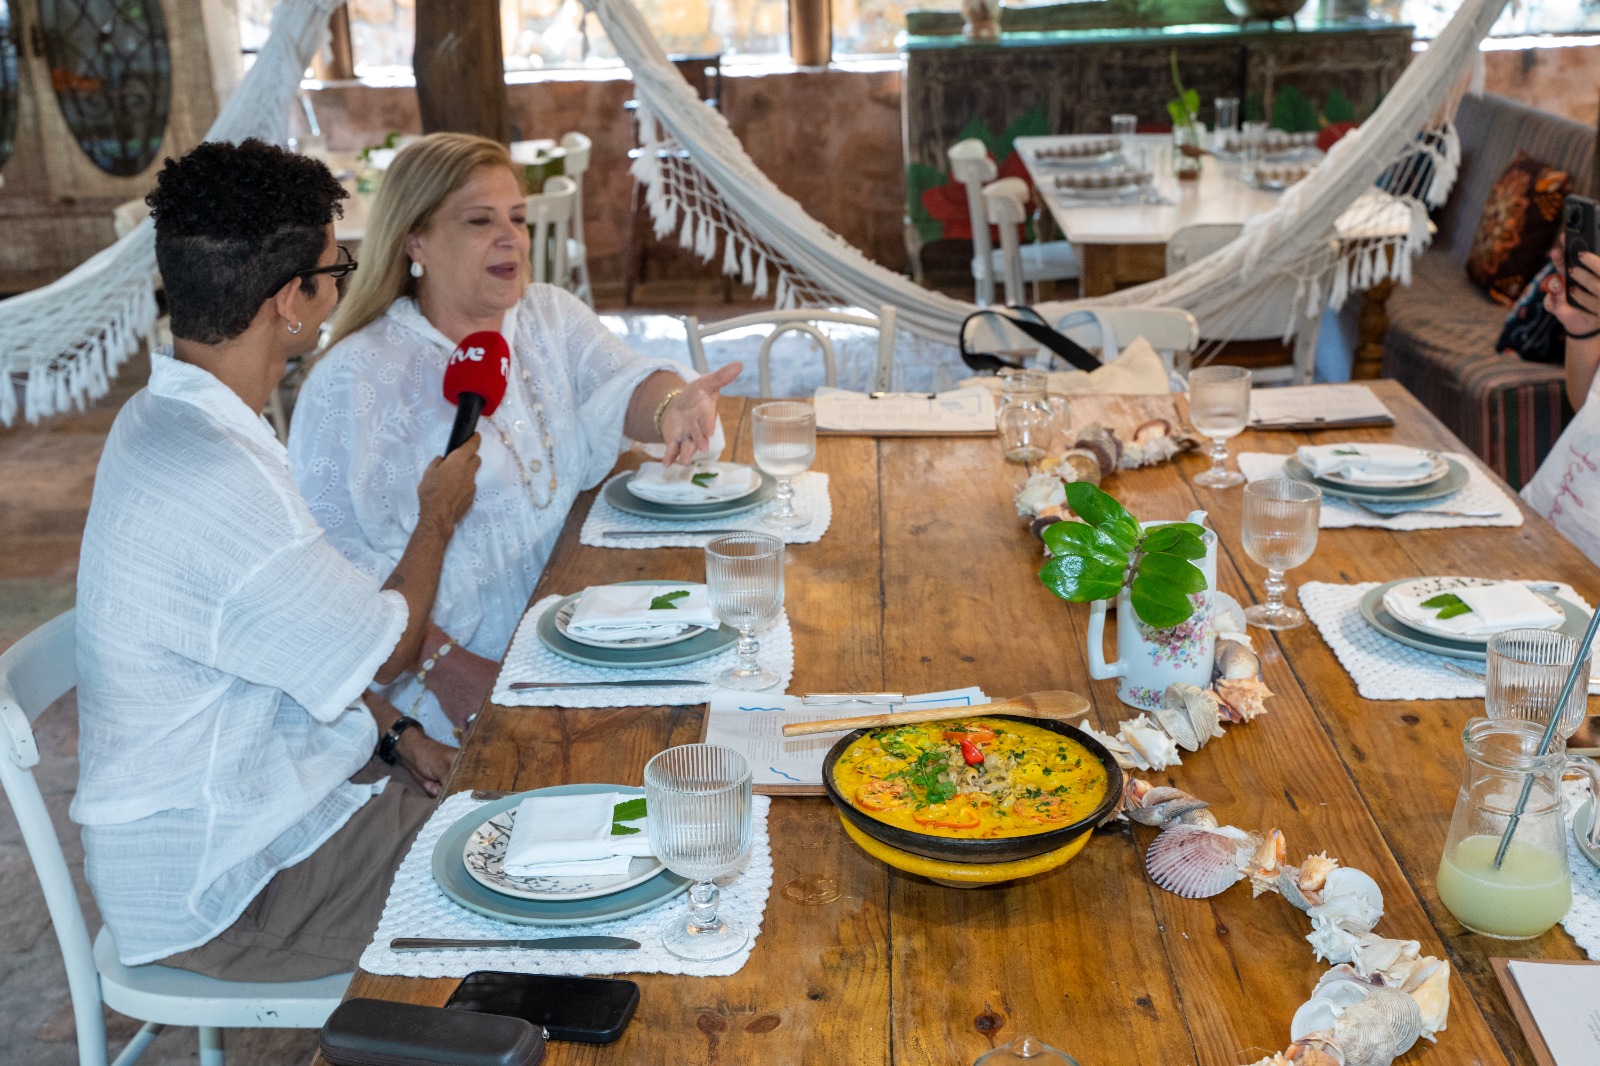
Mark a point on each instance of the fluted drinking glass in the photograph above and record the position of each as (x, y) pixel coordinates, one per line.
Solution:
(1219, 407)
(1524, 674)
(785, 437)
(744, 582)
(698, 798)
(1280, 533)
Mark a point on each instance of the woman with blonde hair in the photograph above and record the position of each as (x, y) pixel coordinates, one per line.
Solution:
(446, 255)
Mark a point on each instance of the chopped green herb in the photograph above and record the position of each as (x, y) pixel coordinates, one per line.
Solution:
(1347, 451)
(703, 478)
(627, 811)
(1448, 604)
(664, 601)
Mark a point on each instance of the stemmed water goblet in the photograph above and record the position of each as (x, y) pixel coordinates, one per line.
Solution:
(698, 800)
(785, 436)
(744, 583)
(1280, 533)
(1219, 407)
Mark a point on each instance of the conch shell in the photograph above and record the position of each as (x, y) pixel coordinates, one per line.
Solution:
(1242, 698)
(1197, 862)
(1152, 748)
(1189, 714)
(1302, 885)
(1429, 985)
(1162, 805)
(1266, 862)
(1120, 749)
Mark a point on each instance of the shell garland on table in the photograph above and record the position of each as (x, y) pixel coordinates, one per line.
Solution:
(1097, 453)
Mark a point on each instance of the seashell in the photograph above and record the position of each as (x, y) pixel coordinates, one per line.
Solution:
(1429, 985)
(1350, 893)
(1152, 748)
(1277, 1058)
(1266, 862)
(1332, 985)
(1104, 452)
(1379, 1029)
(1189, 715)
(1041, 494)
(1312, 875)
(1080, 464)
(1379, 955)
(1152, 430)
(1243, 698)
(1316, 1049)
(1235, 662)
(1158, 805)
(1194, 861)
(1334, 938)
(1120, 750)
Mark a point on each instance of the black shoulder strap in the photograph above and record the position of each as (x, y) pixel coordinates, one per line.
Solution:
(1029, 322)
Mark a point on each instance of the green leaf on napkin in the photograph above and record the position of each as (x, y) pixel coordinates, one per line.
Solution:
(664, 602)
(1347, 451)
(626, 811)
(1448, 604)
(703, 478)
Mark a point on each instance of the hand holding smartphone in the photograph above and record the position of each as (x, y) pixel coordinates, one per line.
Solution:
(1580, 220)
(589, 1010)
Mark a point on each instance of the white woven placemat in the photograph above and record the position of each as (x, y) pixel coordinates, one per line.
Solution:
(529, 660)
(1480, 494)
(416, 907)
(810, 497)
(1385, 669)
(1583, 920)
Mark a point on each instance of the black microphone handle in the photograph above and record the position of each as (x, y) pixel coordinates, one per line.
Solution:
(468, 408)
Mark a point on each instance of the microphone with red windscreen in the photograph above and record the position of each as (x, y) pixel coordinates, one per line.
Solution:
(475, 381)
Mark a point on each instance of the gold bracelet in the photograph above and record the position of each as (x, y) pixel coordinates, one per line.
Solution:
(661, 408)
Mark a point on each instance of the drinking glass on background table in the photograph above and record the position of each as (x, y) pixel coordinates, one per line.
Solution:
(1123, 127)
(1280, 533)
(1254, 136)
(1219, 407)
(785, 435)
(1525, 672)
(1025, 420)
(698, 798)
(1227, 125)
(744, 582)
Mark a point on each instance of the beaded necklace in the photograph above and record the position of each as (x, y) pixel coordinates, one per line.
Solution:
(527, 468)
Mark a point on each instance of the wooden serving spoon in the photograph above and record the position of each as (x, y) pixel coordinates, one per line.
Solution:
(1052, 706)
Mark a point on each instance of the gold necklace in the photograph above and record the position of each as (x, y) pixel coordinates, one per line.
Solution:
(531, 466)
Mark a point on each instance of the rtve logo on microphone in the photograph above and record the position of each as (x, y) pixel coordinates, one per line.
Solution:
(468, 355)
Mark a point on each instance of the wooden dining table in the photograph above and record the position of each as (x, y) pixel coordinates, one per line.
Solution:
(925, 581)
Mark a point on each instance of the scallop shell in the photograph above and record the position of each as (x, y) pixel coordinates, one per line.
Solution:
(1189, 715)
(1152, 748)
(1196, 862)
(1379, 1029)
(1235, 662)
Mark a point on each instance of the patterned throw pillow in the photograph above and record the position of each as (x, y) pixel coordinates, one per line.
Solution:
(1520, 220)
(1531, 331)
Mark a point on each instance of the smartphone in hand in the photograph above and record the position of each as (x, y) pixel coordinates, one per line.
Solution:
(1579, 219)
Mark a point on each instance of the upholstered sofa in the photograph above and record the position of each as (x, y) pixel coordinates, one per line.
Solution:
(1443, 328)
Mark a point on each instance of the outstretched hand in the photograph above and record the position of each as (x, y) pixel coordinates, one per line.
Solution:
(691, 417)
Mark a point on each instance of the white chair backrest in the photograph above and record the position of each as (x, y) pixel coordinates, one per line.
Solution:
(1193, 243)
(550, 214)
(1171, 331)
(578, 147)
(971, 166)
(35, 672)
(1006, 203)
(802, 320)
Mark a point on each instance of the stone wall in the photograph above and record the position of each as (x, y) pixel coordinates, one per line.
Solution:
(1563, 80)
(830, 139)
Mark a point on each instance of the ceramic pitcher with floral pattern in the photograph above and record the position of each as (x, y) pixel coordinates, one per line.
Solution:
(1150, 659)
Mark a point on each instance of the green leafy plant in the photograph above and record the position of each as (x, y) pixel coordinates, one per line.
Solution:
(1094, 558)
(664, 602)
(1185, 110)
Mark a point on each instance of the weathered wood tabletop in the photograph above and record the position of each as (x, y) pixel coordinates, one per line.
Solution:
(926, 581)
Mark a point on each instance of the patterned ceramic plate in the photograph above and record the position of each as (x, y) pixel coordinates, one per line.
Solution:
(1439, 471)
(564, 614)
(709, 495)
(617, 495)
(1430, 586)
(485, 854)
(699, 646)
(1378, 616)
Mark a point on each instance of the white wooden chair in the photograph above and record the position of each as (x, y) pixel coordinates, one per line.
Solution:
(1272, 316)
(1171, 331)
(1041, 261)
(578, 148)
(803, 320)
(35, 672)
(550, 216)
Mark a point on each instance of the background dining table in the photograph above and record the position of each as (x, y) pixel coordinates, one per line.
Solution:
(925, 582)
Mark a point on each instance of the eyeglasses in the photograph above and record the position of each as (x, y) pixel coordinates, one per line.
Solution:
(340, 269)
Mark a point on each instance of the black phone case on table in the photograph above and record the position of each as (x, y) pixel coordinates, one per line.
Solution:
(376, 1032)
(476, 992)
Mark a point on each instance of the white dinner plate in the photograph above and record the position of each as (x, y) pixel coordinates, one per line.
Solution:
(567, 608)
(484, 857)
(1438, 471)
(706, 494)
(1431, 586)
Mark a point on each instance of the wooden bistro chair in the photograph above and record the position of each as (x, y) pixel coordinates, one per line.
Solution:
(803, 320)
(578, 147)
(35, 672)
(1039, 261)
(1272, 316)
(550, 218)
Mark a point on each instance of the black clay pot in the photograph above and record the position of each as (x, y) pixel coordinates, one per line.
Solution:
(958, 849)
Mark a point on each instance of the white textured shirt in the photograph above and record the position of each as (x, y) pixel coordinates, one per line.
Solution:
(1566, 487)
(223, 644)
(372, 415)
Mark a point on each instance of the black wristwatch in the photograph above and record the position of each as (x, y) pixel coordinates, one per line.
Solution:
(388, 742)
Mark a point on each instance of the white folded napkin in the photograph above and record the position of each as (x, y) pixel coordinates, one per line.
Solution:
(676, 485)
(1375, 463)
(570, 836)
(623, 612)
(1503, 605)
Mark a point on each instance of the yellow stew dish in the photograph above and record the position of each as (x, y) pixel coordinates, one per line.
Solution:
(976, 778)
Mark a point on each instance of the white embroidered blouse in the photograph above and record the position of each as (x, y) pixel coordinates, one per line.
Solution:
(372, 415)
(1566, 487)
(223, 645)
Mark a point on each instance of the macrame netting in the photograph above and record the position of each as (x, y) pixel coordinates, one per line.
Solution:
(62, 343)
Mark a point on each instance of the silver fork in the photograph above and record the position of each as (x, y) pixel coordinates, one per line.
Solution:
(1374, 512)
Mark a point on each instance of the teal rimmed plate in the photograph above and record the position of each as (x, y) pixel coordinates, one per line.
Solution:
(700, 646)
(1454, 481)
(617, 495)
(450, 873)
(1378, 616)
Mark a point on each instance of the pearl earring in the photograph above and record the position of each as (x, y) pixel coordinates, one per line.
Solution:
(416, 269)
(297, 327)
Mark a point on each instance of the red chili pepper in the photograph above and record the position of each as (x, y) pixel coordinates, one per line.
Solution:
(971, 753)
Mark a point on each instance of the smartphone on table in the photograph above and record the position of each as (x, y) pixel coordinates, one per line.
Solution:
(589, 1010)
(1579, 219)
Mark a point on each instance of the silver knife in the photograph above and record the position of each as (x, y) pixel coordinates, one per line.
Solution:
(639, 682)
(549, 943)
(667, 532)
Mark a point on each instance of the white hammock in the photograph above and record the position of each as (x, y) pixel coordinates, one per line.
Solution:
(63, 342)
